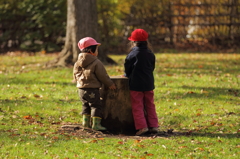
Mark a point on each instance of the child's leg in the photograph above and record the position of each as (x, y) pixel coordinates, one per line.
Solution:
(137, 109)
(91, 103)
(95, 103)
(96, 109)
(85, 106)
(92, 98)
(150, 109)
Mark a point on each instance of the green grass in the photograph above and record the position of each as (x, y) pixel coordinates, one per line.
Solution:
(198, 94)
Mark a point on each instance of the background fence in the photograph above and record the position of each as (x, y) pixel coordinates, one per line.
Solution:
(190, 25)
(193, 25)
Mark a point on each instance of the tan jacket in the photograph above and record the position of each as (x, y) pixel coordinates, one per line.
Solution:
(89, 72)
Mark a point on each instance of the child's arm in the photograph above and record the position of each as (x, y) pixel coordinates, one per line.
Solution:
(74, 72)
(102, 76)
(77, 71)
(128, 65)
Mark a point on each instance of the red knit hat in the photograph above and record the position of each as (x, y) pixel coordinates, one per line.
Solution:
(87, 41)
(138, 35)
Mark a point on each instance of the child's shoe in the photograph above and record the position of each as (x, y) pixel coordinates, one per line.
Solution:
(154, 130)
(142, 131)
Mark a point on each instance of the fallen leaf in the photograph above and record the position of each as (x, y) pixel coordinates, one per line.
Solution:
(93, 141)
(55, 137)
(142, 146)
(27, 117)
(137, 141)
(23, 97)
(201, 149)
(198, 114)
(212, 123)
(36, 96)
(149, 154)
(181, 147)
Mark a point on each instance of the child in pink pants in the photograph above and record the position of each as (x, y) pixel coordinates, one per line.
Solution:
(139, 66)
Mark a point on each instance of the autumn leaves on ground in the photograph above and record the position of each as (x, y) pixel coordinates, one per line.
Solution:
(197, 96)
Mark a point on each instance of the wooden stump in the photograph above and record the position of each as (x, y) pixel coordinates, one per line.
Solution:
(117, 110)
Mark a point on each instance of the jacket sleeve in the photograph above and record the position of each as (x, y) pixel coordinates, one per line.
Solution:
(77, 71)
(74, 72)
(128, 65)
(102, 75)
(154, 61)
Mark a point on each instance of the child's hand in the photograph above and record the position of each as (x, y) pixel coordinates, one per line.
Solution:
(74, 81)
(113, 86)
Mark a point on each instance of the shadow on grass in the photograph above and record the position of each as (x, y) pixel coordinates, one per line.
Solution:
(176, 51)
(23, 100)
(187, 66)
(31, 81)
(89, 133)
(207, 70)
(205, 134)
(221, 135)
(226, 94)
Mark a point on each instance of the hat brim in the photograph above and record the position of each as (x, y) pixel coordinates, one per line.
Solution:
(98, 44)
(130, 38)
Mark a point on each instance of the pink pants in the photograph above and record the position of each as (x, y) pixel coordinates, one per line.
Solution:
(143, 109)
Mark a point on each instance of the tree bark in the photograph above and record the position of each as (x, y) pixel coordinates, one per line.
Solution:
(82, 22)
(117, 109)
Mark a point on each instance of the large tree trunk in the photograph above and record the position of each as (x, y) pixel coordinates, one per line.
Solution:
(81, 22)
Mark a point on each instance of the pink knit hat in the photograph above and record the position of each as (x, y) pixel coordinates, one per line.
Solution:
(86, 42)
(138, 35)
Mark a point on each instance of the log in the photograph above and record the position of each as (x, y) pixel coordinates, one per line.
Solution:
(117, 109)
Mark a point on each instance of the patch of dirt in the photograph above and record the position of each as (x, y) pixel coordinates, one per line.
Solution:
(81, 132)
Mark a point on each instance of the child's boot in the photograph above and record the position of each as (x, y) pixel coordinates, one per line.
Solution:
(86, 121)
(96, 125)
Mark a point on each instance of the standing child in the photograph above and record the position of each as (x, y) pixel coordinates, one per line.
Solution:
(139, 66)
(89, 73)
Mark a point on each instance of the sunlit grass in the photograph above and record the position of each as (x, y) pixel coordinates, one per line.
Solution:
(198, 94)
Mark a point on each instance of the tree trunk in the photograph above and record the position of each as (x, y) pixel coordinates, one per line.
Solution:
(117, 109)
(82, 22)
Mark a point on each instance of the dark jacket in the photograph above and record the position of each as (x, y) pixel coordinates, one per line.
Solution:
(139, 66)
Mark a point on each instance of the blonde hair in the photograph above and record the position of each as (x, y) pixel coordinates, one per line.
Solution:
(132, 44)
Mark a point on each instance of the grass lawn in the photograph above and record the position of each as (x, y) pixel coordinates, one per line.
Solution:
(197, 95)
